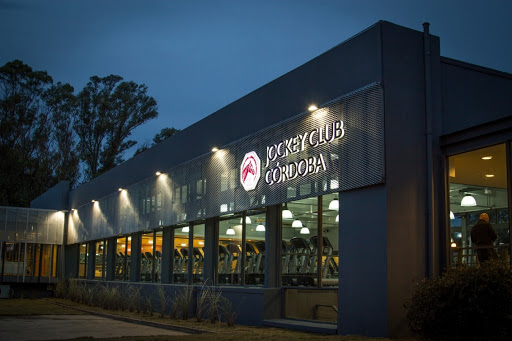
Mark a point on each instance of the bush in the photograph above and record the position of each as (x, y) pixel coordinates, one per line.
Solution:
(468, 303)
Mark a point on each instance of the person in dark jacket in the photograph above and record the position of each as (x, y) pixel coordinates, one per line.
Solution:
(482, 234)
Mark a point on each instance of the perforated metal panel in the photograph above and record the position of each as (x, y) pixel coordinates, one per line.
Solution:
(19, 225)
(352, 156)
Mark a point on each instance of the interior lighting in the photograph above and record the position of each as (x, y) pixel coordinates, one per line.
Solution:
(468, 200)
(452, 216)
(337, 218)
(454, 245)
(247, 220)
(260, 228)
(215, 149)
(183, 244)
(186, 229)
(304, 230)
(287, 214)
(297, 223)
(489, 175)
(230, 232)
(334, 204)
(150, 241)
(488, 157)
(312, 107)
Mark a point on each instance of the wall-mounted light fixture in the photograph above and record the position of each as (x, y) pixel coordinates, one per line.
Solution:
(214, 149)
(312, 107)
(158, 173)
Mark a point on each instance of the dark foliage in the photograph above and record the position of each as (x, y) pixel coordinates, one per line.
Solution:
(469, 303)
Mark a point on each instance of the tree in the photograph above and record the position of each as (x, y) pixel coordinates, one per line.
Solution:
(31, 136)
(164, 134)
(108, 111)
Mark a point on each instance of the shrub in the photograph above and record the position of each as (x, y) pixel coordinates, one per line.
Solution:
(473, 303)
(183, 301)
(62, 289)
(163, 299)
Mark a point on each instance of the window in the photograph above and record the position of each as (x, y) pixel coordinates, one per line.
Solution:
(240, 264)
(197, 258)
(122, 257)
(99, 267)
(180, 254)
(477, 184)
(82, 265)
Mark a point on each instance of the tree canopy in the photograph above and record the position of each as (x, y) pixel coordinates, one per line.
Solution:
(164, 134)
(48, 134)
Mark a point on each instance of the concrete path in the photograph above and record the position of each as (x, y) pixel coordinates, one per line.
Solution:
(59, 327)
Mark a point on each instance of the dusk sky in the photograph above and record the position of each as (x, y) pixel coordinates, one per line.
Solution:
(198, 56)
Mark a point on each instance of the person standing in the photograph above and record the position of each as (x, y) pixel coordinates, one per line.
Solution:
(482, 235)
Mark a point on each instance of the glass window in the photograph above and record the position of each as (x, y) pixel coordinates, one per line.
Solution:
(230, 250)
(255, 247)
(54, 259)
(180, 263)
(298, 256)
(198, 254)
(122, 263)
(99, 267)
(330, 249)
(45, 260)
(158, 256)
(478, 184)
(146, 257)
(82, 266)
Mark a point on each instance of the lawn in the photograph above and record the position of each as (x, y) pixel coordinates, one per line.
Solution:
(213, 332)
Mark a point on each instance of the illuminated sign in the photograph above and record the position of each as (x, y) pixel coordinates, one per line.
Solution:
(310, 165)
(250, 171)
(278, 173)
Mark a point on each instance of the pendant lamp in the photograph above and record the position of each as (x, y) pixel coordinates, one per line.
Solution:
(452, 216)
(185, 229)
(468, 200)
(304, 230)
(230, 232)
(260, 228)
(247, 220)
(337, 218)
(297, 223)
(334, 205)
(287, 214)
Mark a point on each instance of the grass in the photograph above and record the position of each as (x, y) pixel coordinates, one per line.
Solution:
(217, 331)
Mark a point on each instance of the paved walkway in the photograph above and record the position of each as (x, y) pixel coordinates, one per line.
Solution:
(59, 327)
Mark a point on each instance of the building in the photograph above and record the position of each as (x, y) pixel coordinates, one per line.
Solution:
(296, 211)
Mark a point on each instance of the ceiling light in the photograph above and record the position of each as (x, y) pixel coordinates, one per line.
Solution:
(304, 230)
(468, 200)
(334, 204)
(452, 216)
(453, 245)
(287, 214)
(489, 157)
(186, 229)
(337, 218)
(297, 223)
(230, 232)
(247, 220)
(312, 107)
(260, 228)
(489, 175)
(214, 149)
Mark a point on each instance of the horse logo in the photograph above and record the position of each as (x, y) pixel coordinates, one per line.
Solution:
(250, 171)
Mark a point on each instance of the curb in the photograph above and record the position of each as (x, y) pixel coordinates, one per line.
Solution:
(135, 321)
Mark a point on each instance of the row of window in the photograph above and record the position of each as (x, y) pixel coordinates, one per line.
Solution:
(306, 259)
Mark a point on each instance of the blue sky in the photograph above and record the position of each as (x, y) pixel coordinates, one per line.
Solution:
(198, 56)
